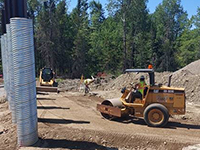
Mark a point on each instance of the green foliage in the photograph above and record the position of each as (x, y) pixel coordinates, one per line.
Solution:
(64, 40)
(86, 42)
(188, 49)
(188, 44)
(59, 80)
(196, 18)
(170, 21)
(81, 40)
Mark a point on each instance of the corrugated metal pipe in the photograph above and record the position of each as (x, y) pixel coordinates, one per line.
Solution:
(3, 57)
(24, 81)
(10, 75)
(5, 76)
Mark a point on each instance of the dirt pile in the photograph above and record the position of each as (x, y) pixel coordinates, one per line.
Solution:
(125, 80)
(75, 85)
(191, 83)
(193, 68)
(69, 85)
(187, 77)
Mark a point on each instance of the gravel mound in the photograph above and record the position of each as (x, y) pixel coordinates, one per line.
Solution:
(69, 85)
(125, 80)
(189, 81)
(187, 77)
(193, 68)
(75, 85)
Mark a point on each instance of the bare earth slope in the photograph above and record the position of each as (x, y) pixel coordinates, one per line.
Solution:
(70, 121)
(187, 77)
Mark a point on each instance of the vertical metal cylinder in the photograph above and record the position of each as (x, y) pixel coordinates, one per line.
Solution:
(10, 74)
(11, 9)
(3, 56)
(3, 22)
(5, 76)
(19, 8)
(19, 70)
(24, 80)
(8, 61)
(7, 10)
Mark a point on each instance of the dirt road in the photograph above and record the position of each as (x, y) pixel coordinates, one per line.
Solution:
(70, 121)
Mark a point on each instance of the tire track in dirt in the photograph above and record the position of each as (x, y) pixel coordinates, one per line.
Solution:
(87, 102)
(110, 133)
(45, 112)
(110, 139)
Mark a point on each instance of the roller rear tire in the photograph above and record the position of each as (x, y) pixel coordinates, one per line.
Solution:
(156, 115)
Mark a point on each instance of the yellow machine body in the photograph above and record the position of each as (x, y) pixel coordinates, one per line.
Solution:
(158, 103)
(46, 77)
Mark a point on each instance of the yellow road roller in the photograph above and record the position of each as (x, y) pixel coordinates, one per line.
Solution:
(154, 104)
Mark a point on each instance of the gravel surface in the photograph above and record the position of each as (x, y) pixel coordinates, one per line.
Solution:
(70, 121)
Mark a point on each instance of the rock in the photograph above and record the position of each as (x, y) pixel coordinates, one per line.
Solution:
(104, 142)
(2, 100)
(6, 141)
(184, 118)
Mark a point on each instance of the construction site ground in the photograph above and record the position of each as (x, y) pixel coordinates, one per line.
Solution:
(69, 120)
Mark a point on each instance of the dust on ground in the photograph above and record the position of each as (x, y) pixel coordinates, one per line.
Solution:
(69, 120)
(187, 77)
(8, 135)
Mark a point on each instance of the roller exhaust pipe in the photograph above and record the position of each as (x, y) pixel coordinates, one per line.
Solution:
(169, 81)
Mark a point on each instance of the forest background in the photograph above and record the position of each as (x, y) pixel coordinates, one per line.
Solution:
(86, 41)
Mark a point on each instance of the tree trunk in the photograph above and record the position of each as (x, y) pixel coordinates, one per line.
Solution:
(124, 41)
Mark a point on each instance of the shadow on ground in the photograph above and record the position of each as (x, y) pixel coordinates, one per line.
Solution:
(170, 124)
(61, 121)
(42, 93)
(45, 98)
(50, 107)
(174, 125)
(68, 144)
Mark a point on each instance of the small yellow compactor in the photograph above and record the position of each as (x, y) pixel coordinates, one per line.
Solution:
(158, 102)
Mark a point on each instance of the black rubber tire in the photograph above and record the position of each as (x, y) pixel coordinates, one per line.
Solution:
(55, 84)
(106, 116)
(159, 107)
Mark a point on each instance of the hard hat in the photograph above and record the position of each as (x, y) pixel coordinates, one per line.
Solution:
(142, 78)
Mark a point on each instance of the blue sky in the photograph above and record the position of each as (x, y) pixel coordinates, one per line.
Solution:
(189, 5)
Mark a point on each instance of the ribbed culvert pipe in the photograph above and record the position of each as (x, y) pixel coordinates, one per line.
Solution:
(5, 64)
(24, 84)
(3, 56)
(10, 73)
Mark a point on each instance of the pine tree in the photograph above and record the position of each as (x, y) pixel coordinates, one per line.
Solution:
(81, 46)
(170, 21)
